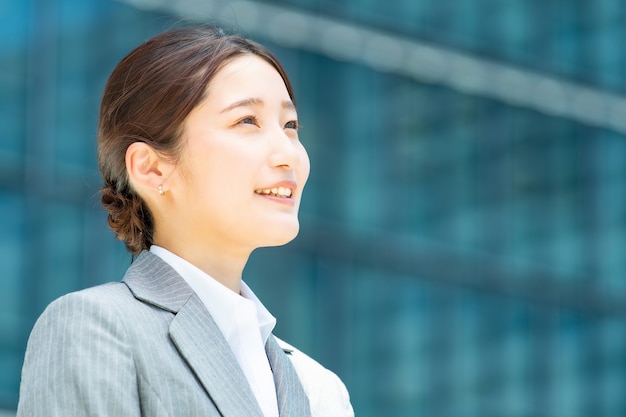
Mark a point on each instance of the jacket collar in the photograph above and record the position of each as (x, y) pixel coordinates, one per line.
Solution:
(154, 281)
(202, 345)
(200, 342)
(195, 334)
(292, 400)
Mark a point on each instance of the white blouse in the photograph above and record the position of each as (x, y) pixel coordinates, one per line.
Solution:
(244, 321)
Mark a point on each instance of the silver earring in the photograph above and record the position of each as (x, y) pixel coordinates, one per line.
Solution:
(161, 190)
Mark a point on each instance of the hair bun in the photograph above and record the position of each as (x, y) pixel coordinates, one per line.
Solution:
(127, 218)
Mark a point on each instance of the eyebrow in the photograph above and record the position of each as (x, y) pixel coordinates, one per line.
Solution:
(251, 102)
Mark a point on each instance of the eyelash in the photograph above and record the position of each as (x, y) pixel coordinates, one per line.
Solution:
(295, 124)
(292, 124)
(253, 119)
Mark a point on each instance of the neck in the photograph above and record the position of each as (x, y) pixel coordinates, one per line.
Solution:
(223, 266)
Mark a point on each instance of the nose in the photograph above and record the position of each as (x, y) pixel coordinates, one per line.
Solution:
(287, 151)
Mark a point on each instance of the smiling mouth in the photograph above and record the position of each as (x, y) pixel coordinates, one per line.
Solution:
(282, 192)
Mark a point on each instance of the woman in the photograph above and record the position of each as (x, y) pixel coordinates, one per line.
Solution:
(199, 151)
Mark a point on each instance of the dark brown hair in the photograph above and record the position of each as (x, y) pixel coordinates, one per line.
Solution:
(147, 99)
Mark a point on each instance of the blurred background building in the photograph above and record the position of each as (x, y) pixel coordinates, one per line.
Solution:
(464, 227)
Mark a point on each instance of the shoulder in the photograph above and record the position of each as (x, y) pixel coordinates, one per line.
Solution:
(79, 347)
(81, 305)
(78, 315)
(327, 394)
(84, 316)
(98, 294)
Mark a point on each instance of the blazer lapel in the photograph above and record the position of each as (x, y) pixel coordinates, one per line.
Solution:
(195, 334)
(200, 342)
(292, 400)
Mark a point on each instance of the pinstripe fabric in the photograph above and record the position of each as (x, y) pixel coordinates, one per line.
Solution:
(144, 347)
(292, 401)
(326, 393)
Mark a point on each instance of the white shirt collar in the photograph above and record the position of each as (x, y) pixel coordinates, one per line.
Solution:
(223, 304)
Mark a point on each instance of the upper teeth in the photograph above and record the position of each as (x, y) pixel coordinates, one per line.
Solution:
(277, 191)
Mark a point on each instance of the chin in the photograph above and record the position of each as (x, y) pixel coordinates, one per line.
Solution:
(283, 235)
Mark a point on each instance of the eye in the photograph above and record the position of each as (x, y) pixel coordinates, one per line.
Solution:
(248, 120)
(293, 124)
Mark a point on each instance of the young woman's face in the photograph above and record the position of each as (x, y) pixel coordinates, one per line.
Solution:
(243, 168)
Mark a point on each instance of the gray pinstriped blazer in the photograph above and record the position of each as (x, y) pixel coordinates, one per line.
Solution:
(143, 347)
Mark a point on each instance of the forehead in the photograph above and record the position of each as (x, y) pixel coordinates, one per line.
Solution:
(247, 74)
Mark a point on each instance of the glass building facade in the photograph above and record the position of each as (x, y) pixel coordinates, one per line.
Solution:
(464, 225)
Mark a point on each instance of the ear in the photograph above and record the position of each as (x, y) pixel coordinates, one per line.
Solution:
(145, 168)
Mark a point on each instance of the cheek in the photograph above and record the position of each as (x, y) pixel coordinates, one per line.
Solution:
(305, 164)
